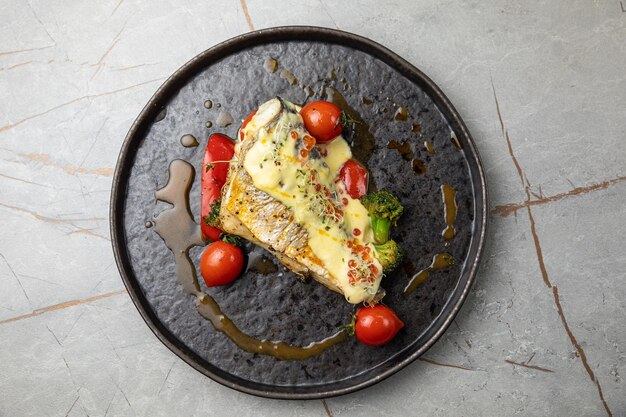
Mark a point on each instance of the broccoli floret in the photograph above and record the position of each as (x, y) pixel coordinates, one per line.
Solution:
(390, 255)
(384, 210)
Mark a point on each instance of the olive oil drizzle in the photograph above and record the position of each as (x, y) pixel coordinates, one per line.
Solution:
(429, 147)
(180, 233)
(450, 209)
(210, 310)
(440, 261)
(176, 225)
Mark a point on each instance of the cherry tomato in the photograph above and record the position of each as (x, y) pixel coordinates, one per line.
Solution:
(245, 123)
(354, 177)
(219, 148)
(220, 263)
(376, 325)
(322, 119)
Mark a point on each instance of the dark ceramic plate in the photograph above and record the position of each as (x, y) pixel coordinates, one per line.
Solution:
(278, 306)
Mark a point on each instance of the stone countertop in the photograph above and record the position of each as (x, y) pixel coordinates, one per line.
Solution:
(542, 88)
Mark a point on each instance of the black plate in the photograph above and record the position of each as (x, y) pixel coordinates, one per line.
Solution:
(278, 306)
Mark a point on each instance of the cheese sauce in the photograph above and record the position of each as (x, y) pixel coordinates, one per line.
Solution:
(284, 163)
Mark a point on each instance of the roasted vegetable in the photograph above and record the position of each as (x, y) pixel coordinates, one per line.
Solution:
(390, 255)
(385, 210)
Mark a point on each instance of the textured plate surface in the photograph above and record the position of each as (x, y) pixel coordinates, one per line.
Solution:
(278, 306)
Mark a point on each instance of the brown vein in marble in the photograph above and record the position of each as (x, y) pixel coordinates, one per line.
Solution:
(100, 62)
(45, 159)
(62, 306)
(447, 365)
(24, 50)
(21, 64)
(525, 365)
(579, 349)
(329, 412)
(540, 260)
(119, 3)
(134, 66)
(88, 232)
(505, 134)
(27, 181)
(50, 219)
(508, 209)
(87, 97)
(244, 6)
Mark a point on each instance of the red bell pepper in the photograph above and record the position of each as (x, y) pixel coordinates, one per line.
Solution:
(219, 151)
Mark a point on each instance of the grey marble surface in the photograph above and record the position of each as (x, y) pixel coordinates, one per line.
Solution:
(542, 87)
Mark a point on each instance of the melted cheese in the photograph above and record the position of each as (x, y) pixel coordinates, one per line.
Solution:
(309, 186)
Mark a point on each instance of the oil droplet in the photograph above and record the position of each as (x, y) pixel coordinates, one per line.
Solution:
(160, 115)
(189, 141)
(208, 104)
(419, 167)
(270, 65)
(403, 148)
(448, 195)
(288, 75)
(409, 268)
(224, 119)
(401, 114)
(416, 127)
(218, 105)
(385, 110)
(149, 224)
(429, 147)
(440, 261)
(176, 225)
(456, 142)
(366, 101)
(209, 124)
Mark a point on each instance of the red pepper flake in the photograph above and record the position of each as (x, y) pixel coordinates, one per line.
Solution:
(294, 135)
(304, 153)
(318, 187)
(352, 263)
(344, 201)
(356, 232)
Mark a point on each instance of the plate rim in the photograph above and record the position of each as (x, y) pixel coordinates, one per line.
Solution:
(242, 42)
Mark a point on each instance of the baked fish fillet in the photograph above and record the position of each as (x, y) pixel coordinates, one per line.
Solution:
(282, 195)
